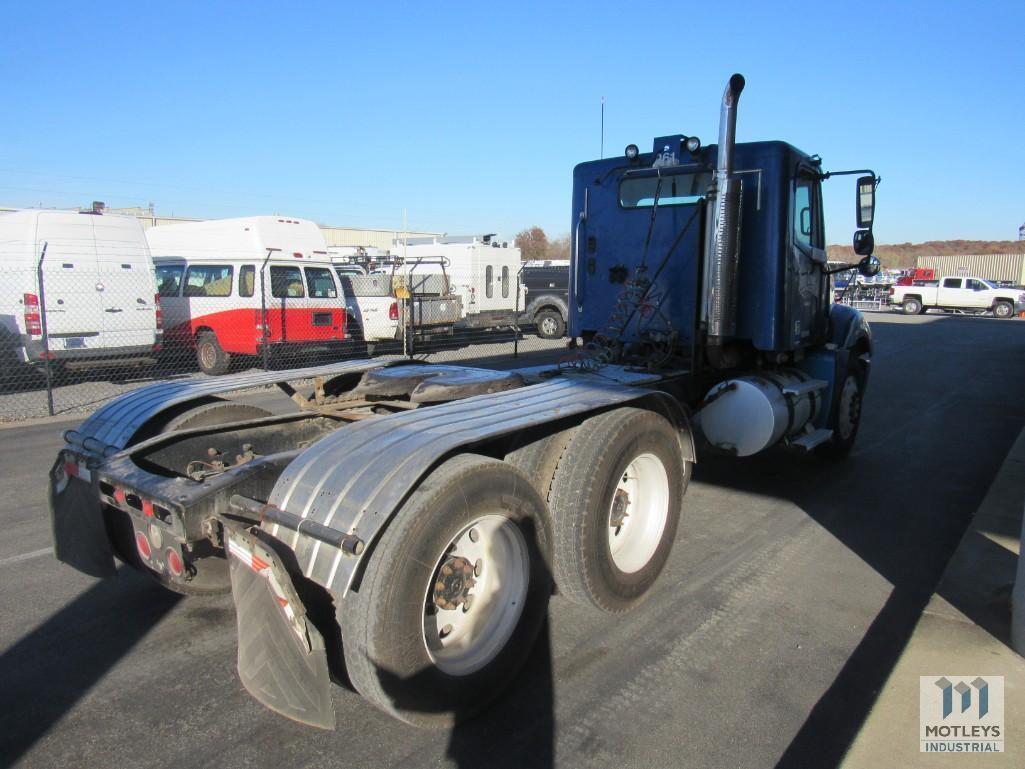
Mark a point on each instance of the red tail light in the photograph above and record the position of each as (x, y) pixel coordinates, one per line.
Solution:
(174, 562)
(33, 320)
(159, 312)
(393, 311)
(142, 545)
(892, 292)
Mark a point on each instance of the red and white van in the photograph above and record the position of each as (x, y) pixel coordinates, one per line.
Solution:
(257, 285)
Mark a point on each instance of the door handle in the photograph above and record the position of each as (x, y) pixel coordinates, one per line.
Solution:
(113, 309)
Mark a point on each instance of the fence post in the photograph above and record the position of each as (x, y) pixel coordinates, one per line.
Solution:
(46, 336)
(516, 316)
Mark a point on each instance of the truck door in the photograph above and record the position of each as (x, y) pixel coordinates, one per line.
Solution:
(975, 294)
(951, 293)
(807, 285)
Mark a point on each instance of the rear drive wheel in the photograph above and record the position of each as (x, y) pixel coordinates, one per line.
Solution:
(615, 503)
(1003, 310)
(210, 356)
(550, 324)
(539, 459)
(912, 306)
(453, 595)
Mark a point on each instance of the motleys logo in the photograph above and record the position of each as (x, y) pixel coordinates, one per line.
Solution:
(961, 714)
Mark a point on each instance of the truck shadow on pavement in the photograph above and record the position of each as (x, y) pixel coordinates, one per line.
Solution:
(49, 670)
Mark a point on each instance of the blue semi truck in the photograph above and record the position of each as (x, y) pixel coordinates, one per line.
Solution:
(406, 524)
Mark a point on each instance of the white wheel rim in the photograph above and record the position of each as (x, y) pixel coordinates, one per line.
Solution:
(850, 407)
(460, 641)
(643, 495)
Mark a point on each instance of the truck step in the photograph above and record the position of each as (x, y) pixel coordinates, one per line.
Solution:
(804, 388)
(808, 441)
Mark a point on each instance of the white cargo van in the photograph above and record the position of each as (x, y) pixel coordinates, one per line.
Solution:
(96, 283)
(247, 287)
(481, 271)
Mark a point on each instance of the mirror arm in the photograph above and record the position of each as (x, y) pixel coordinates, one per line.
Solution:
(868, 171)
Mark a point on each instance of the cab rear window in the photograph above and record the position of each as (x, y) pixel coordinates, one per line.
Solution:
(669, 189)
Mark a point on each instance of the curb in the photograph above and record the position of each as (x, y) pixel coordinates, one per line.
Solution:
(964, 630)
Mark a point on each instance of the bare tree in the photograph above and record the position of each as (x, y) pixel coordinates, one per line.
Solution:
(533, 243)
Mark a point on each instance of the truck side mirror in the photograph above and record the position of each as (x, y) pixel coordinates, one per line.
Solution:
(864, 243)
(866, 203)
(869, 266)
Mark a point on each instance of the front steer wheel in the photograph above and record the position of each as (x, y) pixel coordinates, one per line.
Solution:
(847, 418)
(453, 595)
(1003, 310)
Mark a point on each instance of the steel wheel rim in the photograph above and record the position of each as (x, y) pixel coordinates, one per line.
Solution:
(850, 407)
(463, 640)
(634, 538)
(206, 354)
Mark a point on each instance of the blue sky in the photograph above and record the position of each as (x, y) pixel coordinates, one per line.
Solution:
(470, 117)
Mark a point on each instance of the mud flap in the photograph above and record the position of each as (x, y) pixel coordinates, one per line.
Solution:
(281, 656)
(76, 517)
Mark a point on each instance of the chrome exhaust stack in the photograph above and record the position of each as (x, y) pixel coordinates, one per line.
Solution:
(723, 246)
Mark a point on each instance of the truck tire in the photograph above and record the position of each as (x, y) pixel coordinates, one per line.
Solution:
(539, 459)
(912, 306)
(549, 324)
(847, 418)
(473, 534)
(615, 503)
(210, 356)
(1003, 310)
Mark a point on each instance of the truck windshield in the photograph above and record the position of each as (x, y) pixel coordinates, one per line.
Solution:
(676, 190)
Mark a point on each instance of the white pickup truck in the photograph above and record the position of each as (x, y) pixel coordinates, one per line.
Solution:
(961, 293)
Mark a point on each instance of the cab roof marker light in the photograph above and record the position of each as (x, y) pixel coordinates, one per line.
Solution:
(631, 152)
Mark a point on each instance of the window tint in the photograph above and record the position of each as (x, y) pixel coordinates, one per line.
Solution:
(672, 189)
(952, 283)
(286, 282)
(975, 285)
(803, 214)
(247, 280)
(489, 279)
(169, 279)
(208, 280)
(322, 285)
(505, 282)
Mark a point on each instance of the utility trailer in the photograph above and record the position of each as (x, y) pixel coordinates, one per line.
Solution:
(405, 525)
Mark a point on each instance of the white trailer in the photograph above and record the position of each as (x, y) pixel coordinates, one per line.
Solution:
(95, 283)
(482, 272)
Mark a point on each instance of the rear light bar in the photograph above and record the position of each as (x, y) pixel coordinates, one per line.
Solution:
(33, 320)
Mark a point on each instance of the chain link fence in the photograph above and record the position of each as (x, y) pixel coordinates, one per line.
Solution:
(79, 326)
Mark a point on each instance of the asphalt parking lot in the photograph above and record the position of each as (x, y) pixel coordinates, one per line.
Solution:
(792, 589)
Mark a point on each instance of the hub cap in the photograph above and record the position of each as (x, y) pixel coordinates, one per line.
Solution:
(476, 595)
(638, 513)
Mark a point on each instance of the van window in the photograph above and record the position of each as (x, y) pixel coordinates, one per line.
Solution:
(489, 278)
(322, 285)
(247, 280)
(505, 282)
(286, 282)
(169, 279)
(208, 280)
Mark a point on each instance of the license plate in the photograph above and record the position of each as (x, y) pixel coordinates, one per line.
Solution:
(74, 343)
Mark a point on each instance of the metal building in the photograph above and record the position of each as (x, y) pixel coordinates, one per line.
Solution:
(1010, 267)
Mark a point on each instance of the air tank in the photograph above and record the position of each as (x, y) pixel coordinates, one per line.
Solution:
(749, 414)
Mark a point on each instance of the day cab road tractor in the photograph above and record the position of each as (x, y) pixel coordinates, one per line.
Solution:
(405, 525)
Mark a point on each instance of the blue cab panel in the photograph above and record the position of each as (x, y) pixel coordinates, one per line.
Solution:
(781, 294)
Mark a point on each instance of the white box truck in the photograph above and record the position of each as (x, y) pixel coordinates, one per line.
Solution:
(89, 299)
(483, 272)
